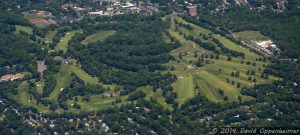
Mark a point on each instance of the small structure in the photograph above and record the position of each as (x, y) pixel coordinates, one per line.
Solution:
(96, 13)
(67, 6)
(192, 10)
(68, 61)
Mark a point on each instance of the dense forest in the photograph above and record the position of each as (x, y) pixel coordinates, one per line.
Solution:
(15, 55)
(282, 28)
(131, 57)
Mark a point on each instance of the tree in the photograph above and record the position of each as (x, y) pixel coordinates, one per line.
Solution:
(240, 99)
(221, 92)
(136, 95)
(226, 98)
(217, 56)
(238, 85)
(232, 73)
(237, 73)
(266, 76)
(229, 58)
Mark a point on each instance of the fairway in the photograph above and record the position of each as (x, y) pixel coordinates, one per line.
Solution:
(83, 75)
(184, 88)
(64, 41)
(88, 78)
(97, 102)
(99, 36)
(50, 35)
(210, 84)
(228, 43)
(213, 75)
(27, 99)
(63, 79)
(250, 35)
(24, 28)
(231, 45)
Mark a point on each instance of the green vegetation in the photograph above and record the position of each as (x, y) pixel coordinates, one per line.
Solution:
(88, 78)
(50, 35)
(83, 75)
(231, 45)
(184, 88)
(39, 86)
(64, 41)
(24, 28)
(216, 74)
(27, 99)
(99, 36)
(250, 35)
(63, 79)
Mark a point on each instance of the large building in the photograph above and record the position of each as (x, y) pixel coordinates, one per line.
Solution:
(192, 10)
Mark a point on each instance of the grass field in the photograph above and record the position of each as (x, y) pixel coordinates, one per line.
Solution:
(88, 78)
(213, 76)
(50, 35)
(83, 75)
(24, 28)
(62, 81)
(250, 35)
(99, 36)
(64, 41)
(232, 46)
(228, 43)
(184, 87)
(39, 86)
(27, 99)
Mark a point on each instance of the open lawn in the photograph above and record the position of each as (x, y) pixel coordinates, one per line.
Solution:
(64, 41)
(228, 43)
(63, 79)
(213, 75)
(40, 86)
(88, 78)
(184, 87)
(232, 46)
(99, 36)
(24, 28)
(50, 35)
(83, 75)
(97, 102)
(250, 35)
(27, 99)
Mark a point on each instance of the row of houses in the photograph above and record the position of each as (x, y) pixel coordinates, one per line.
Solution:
(116, 8)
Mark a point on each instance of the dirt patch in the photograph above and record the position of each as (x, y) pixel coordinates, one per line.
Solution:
(190, 66)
